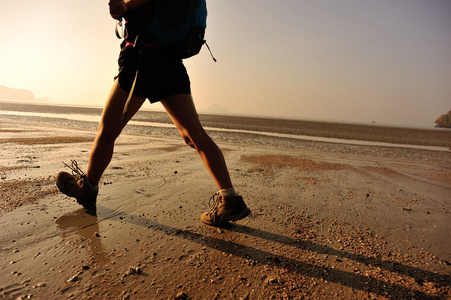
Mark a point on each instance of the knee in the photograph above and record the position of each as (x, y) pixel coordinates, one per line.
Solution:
(105, 135)
(189, 141)
(194, 138)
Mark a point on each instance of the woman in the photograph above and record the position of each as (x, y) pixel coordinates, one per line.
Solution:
(161, 77)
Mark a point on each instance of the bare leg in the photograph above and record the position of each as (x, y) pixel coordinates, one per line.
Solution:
(183, 113)
(110, 127)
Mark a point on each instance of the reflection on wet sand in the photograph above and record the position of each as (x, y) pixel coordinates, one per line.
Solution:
(86, 225)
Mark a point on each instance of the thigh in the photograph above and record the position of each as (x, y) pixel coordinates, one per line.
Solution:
(182, 111)
(111, 122)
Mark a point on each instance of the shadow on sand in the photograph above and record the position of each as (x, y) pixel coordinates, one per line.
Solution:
(86, 223)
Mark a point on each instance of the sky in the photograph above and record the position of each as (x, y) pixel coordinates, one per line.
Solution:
(387, 61)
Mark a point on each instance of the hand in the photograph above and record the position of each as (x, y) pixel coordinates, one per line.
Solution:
(117, 9)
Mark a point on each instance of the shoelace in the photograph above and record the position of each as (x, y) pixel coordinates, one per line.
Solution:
(76, 171)
(216, 200)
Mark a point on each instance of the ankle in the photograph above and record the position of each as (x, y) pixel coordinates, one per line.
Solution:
(93, 187)
(228, 192)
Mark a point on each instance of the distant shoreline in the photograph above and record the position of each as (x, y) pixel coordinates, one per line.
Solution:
(437, 137)
(210, 113)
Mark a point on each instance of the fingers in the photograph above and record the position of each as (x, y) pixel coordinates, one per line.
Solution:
(117, 8)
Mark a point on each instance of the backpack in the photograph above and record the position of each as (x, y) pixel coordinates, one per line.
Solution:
(175, 25)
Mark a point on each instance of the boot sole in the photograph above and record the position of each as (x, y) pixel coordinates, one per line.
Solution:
(243, 214)
(246, 212)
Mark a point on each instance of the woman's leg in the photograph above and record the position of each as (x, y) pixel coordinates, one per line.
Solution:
(183, 113)
(111, 125)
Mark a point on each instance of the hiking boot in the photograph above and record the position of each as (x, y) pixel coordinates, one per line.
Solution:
(75, 185)
(225, 208)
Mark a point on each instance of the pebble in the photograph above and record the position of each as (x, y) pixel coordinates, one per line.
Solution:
(272, 280)
(41, 284)
(181, 296)
(74, 278)
(132, 270)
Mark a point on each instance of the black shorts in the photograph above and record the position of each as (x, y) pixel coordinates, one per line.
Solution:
(160, 74)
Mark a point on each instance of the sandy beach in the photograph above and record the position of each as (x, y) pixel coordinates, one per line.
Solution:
(329, 220)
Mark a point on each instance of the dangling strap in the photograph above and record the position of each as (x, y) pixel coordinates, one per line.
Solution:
(116, 30)
(214, 59)
(139, 42)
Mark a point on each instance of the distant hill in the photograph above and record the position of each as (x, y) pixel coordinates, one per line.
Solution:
(444, 121)
(7, 93)
(215, 109)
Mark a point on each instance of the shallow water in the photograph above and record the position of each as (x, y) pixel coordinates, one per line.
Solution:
(79, 117)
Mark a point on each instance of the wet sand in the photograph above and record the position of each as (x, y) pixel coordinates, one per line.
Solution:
(329, 221)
